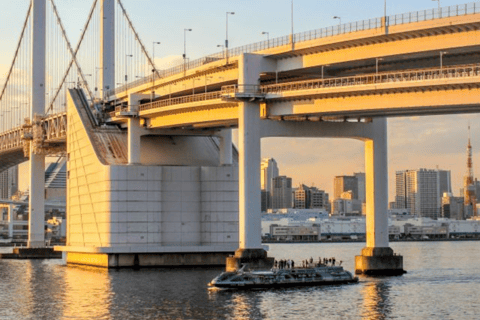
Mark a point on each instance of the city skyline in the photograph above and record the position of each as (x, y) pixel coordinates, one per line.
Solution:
(414, 142)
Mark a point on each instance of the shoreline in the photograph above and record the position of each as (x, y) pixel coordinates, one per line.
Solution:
(363, 240)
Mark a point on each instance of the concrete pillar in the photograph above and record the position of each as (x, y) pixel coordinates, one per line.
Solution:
(107, 47)
(249, 176)
(36, 233)
(10, 221)
(134, 129)
(250, 250)
(376, 186)
(377, 258)
(226, 147)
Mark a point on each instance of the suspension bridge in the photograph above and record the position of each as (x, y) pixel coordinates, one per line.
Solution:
(152, 175)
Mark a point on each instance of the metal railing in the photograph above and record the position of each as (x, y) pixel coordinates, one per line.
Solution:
(181, 100)
(419, 75)
(410, 17)
(431, 14)
(370, 79)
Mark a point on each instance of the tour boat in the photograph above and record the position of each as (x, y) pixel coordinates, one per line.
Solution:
(281, 278)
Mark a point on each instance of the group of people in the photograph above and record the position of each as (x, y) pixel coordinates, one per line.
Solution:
(307, 263)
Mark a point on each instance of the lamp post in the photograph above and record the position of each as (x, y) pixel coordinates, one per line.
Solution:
(326, 65)
(441, 58)
(206, 82)
(339, 22)
(221, 46)
(153, 70)
(226, 36)
(268, 37)
(185, 50)
(376, 66)
(126, 66)
(438, 3)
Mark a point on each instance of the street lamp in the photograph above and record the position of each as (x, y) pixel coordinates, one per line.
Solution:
(153, 70)
(441, 58)
(268, 37)
(221, 46)
(226, 36)
(438, 3)
(327, 65)
(185, 50)
(126, 66)
(376, 64)
(206, 82)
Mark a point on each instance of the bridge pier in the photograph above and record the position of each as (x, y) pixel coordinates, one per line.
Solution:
(377, 258)
(36, 220)
(250, 251)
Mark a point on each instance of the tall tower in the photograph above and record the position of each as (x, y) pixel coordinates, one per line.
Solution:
(468, 185)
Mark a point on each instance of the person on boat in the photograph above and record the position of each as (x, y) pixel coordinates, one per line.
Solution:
(293, 264)
(275, 263)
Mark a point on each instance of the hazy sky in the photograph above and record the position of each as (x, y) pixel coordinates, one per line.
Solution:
(417, 142)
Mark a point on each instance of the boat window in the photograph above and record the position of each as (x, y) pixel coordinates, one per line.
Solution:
(237, 279)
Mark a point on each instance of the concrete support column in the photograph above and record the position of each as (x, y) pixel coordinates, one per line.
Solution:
(134, 129)
(106, 80)
(10, 221)
(36, 219)
(226, 147)
(36, 233)
(377, 258)
(249, 176)
(376, 185)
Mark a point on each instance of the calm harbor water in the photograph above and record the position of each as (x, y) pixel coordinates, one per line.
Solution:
(443, 282)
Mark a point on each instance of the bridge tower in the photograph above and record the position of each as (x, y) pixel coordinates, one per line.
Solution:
(36, 236)
(107, 46)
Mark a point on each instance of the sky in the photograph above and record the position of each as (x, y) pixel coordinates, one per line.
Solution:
(413, 142)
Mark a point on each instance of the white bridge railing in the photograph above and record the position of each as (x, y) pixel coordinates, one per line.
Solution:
(236, 91)
(412, 75)
(404, 18)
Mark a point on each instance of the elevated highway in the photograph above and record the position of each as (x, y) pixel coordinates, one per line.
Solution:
(411, 92)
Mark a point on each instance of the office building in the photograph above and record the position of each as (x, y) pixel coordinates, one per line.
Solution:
(282, 192)
(269, 170)
(8, 182)
(421, 191)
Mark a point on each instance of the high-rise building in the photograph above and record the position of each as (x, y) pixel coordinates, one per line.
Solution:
(421, 191)
(282, 192)
(305, 197)
(269, 170)
(360, 185)
(301, 197)
(318, 199)
(452, 207)
(345, 183)
(8, 182)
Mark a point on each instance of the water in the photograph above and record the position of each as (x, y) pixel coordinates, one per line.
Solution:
(443, 282)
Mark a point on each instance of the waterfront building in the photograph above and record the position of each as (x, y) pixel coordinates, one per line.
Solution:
(305, 197)
(452, 207)
(318, 199)
(345, 183)
(360, 186)
(301, 197)
(269, 170)
(8, 182)
(347, 207)
(421, 190)
(281, 192)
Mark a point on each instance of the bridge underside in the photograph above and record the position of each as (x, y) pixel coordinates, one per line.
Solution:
(11, 158)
